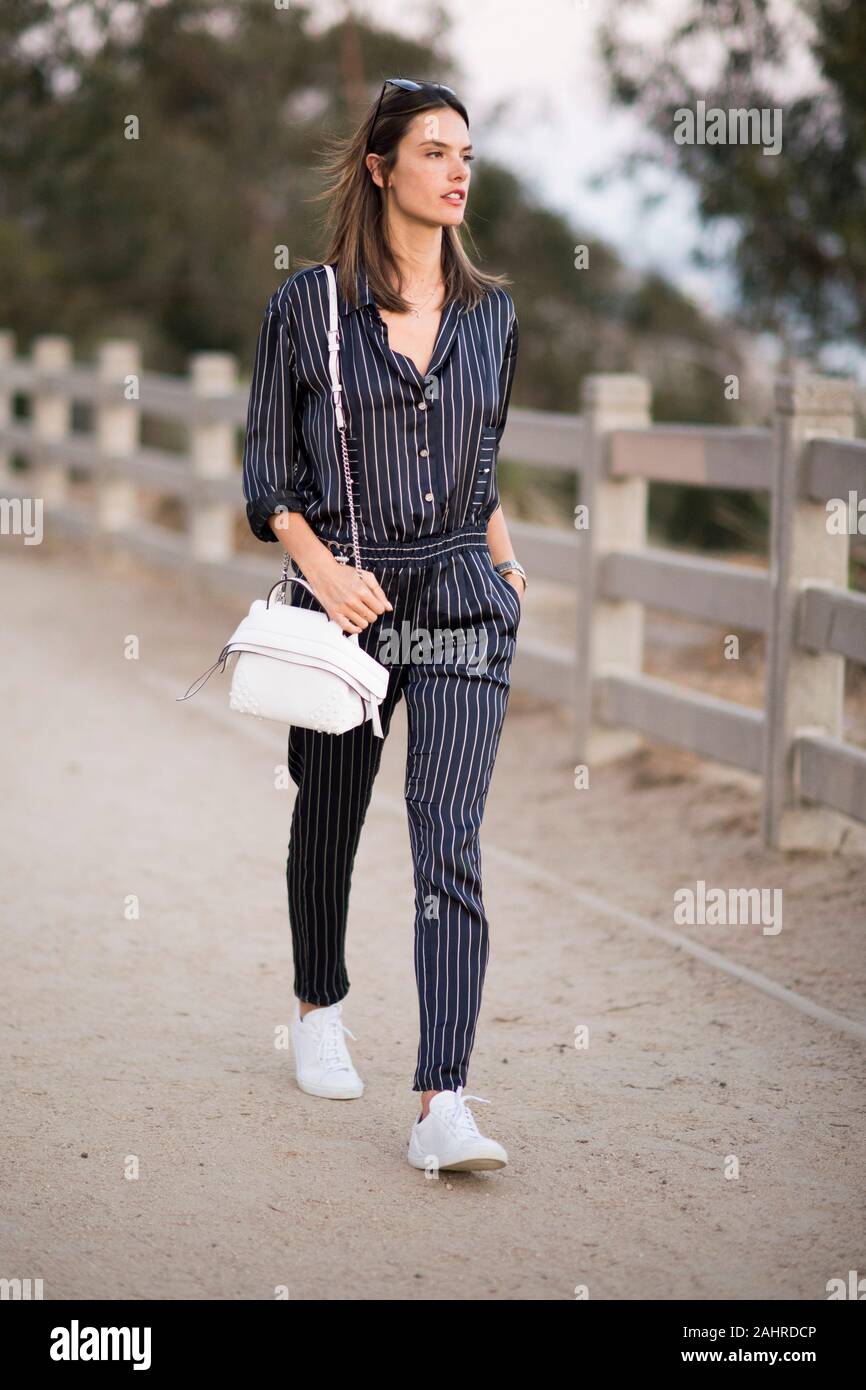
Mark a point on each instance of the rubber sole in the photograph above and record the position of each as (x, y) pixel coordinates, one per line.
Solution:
(463, 1165)
(311, 1089)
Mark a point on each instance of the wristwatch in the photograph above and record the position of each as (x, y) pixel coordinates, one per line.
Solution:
(505, 566)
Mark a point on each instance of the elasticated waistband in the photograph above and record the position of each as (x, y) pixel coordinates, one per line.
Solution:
(419, 550)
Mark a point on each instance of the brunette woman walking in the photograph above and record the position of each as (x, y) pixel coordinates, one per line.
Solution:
(428, 347)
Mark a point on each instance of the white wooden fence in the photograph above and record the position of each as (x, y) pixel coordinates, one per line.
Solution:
(811, 778)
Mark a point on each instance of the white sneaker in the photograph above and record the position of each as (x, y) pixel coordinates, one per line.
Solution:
(323, 1066)
(448, 1136)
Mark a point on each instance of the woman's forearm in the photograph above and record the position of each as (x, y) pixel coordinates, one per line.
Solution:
(297, 536)
(498, 539)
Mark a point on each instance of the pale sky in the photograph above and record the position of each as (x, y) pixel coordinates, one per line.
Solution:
(535, 90)
(537, 101)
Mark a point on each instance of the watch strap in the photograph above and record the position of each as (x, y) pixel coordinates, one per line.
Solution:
(506, 566)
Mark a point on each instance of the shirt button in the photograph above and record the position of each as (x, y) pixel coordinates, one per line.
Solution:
(422, 405)
(428, 496)
(423, 454)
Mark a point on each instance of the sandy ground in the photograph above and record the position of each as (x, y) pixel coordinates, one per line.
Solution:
(152, 1039)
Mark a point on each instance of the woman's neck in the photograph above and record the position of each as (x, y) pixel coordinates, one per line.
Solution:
(418, 253)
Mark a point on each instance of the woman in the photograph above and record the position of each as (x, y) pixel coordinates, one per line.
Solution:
(428, 348)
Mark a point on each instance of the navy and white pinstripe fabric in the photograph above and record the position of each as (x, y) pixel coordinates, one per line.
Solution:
(424, 462)
(416, 441)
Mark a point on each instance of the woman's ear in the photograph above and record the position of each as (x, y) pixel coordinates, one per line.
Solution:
(375, 169)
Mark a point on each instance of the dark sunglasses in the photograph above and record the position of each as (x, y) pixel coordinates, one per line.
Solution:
(407, 84)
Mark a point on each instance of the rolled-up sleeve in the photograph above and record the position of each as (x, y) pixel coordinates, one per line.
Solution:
(268, 469)
(506, 380)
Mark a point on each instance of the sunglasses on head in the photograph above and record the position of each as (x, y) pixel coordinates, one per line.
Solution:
(407, 84)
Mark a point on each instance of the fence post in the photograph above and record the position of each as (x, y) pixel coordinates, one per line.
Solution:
(117, 431)
(7, 357)
(52, 415)
(609, 633)
(212, 449)
(803, 689)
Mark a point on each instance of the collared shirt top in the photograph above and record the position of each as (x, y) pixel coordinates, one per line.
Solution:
(423, 449)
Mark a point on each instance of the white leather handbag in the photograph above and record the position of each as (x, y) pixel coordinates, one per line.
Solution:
(297, 665)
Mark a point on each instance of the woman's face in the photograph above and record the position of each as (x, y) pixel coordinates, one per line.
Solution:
(433, 161)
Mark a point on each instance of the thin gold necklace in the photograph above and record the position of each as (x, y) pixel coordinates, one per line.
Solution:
(416, 311)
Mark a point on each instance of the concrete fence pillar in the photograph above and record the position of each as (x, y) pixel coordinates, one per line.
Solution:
(51, 418)
(804, 690)
(7, 357)
(212, 449)
(117, 432)
(609, 632)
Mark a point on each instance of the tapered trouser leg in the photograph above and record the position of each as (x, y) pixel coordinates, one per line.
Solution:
(334, 774)
(456, 693)
(456, 704)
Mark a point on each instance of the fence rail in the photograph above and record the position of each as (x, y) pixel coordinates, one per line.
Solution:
(811, 779)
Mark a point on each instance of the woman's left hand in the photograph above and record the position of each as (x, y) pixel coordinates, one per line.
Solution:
(514, 579)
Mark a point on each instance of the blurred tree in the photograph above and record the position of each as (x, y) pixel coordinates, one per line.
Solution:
(170, 238)
(176, 230)
(798, 216)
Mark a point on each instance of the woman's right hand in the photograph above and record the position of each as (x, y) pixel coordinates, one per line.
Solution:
(351, 597)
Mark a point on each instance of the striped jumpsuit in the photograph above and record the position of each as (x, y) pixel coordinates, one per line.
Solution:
(423, 455)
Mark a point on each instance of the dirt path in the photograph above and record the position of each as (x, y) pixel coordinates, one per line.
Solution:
(154, 1037)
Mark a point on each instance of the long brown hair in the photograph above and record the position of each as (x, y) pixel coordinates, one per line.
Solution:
(354, 219)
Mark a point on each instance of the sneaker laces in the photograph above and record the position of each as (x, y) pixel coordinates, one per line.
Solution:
(332, 1049)
(460, 1117)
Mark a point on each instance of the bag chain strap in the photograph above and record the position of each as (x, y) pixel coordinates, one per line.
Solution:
(336, 394)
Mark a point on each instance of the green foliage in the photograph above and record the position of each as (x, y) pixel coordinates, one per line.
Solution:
(800, 215)
(171, 238)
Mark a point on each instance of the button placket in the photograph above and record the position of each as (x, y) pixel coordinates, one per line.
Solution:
(484, 479)
(425, 452)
